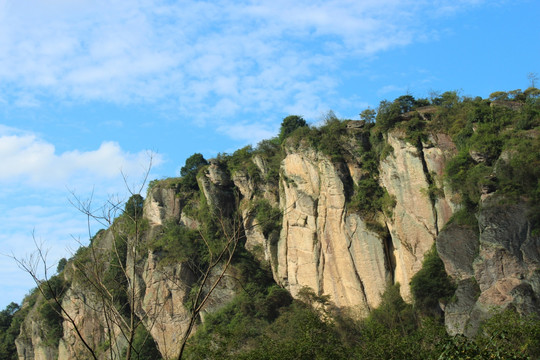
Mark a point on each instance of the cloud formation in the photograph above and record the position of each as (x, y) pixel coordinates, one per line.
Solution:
(213, 58)
(28, 159)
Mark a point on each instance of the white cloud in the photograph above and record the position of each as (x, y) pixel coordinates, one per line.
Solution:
(28, 159)
(36, 183)
(209, 56)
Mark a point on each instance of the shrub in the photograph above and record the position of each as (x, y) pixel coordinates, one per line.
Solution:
(290, 124)
(61, 265)
(10, 324)
(431, 284)
(51, 315)
(134, 207)
(189, 171)
(268, 217)
(177, 243)
(144, 345)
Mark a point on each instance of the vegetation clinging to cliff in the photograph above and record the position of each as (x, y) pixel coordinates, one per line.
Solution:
(498, 151)
(497, 139)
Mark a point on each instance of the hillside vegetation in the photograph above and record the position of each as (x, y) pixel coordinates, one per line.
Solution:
(497, 155)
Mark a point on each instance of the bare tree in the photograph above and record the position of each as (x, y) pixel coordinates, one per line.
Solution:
(117, 251)
(533, 77)
(94, 270)
(232, 233)
(32, 265)
(117, 293)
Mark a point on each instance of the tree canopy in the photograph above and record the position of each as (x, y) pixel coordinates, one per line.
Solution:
(190, 169)
(289, 124)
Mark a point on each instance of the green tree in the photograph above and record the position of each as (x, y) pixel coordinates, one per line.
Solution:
(61, 265)
(406, 103)
(388, 114)
(9, 329)
(368, 115)
(431, 284)
(134, 206)
(190, 169)
(289, 124)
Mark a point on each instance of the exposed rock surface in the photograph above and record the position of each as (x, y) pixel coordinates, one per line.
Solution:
(321, 246)
(408, 174)
(496, 267)
(324, 245)
(161, 295)
(162, 204)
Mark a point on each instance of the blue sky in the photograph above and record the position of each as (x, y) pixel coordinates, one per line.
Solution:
(88, 88)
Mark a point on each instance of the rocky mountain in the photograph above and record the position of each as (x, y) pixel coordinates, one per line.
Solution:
(346, 210)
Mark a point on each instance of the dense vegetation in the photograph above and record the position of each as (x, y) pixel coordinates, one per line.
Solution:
(10, 322)
(309, 328)
(269, 325)
(498, 150)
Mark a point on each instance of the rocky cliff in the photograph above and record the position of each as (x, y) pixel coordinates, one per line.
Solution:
(321, 241)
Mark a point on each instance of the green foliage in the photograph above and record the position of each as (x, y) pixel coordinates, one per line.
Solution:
(270, 152)
(414, 128)
(466, 217)
(289, 125)
(241, 321)
(328, 138)
(431, 284)
(518, 174)
(61, 265)
(509, 334)
(189, 171)
(242, 159)
(268, 217)
(144, 346)
(299, 333)
(367, 196)
(393, 312)
(447, 100)
(406, 103)
(114, 278)
(51, 315)
(387, 114)
(331, 137)
(503, 134)
(266, 326)
(368, 115)
(54, 288)
(49, 309)
(506, 335)
(467, 177)
(134, 207)
(10, 323)
(178, 243)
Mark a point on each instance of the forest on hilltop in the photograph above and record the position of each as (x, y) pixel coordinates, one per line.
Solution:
(253, 316)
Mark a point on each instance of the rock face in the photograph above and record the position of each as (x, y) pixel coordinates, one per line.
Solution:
(324, 245)
(321, 245)
(30, 342)
(495, 267)
(162, 293)
(408, 174)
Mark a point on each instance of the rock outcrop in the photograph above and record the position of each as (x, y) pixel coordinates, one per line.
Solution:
(322, 243)
(495, 266)
(410, 174)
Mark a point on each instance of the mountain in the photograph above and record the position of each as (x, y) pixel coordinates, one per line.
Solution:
(429, 212)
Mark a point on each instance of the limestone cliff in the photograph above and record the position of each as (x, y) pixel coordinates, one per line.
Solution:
(322, 242)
